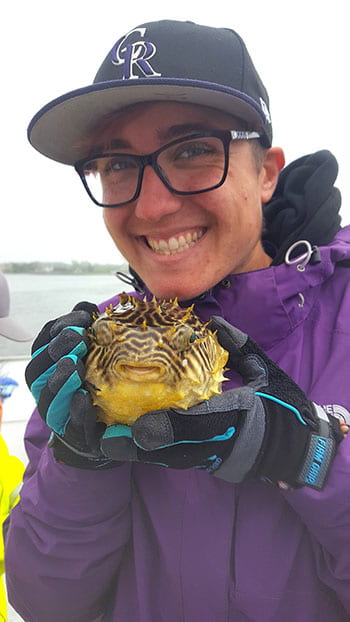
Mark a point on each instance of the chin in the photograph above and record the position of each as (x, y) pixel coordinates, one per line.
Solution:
(170, 293)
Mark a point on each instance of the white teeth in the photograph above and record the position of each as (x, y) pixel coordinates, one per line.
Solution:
(162, 245)
(175, 245)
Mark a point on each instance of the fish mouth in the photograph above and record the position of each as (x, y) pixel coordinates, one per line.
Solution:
(140, 373)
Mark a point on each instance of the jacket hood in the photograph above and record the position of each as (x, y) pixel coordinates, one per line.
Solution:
(305, 204)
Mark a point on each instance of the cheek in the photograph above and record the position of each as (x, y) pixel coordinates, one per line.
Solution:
(248, 199)
(106, 218)
(238, 204)
(116, 226)
(240, 213)
(113, 222)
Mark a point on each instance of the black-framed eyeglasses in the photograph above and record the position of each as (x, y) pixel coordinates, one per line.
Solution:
(190, 165)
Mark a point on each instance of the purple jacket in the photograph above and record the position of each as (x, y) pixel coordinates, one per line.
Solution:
(143, 543)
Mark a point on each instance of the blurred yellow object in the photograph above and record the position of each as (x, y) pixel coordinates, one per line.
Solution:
(11, 473)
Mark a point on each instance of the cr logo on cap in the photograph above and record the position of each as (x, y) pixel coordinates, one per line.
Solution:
(133, 55)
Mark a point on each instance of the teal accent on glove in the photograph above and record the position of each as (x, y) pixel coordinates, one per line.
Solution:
(57, 417)
(218, 438)
(284, 404)
(118, 430)
(77, 329)
(38, 385)
(79, 351)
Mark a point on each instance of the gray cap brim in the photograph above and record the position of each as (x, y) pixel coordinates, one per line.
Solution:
(59, 129)
(11, 330)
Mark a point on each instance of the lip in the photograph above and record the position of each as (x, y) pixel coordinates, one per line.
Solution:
(140, 373)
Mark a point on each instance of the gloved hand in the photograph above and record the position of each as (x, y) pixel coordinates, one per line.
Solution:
(55, 376)
(267, 429)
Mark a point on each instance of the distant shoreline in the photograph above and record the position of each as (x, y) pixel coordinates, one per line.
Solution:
(56, 267)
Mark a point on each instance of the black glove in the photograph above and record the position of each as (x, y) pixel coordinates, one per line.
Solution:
(55, 377)
(265, 430)
(79, 446)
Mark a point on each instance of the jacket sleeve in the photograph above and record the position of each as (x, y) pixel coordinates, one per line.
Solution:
(68, 532)
(326, 514)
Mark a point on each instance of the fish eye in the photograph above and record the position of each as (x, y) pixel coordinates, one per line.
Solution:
(183, 337)
(106, 331)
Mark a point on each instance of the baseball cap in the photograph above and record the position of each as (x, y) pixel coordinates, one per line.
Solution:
(8, 327)
(158, 61)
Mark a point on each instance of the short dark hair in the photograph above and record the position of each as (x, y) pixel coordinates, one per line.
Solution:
(259, 152)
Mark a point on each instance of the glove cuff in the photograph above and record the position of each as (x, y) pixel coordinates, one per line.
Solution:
(321, 449)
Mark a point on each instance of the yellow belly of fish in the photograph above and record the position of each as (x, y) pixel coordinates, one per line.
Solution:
(133, 399)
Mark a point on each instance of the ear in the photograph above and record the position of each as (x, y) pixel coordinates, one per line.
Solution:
(272, 164)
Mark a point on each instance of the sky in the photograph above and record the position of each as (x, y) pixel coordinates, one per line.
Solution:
(301, 51)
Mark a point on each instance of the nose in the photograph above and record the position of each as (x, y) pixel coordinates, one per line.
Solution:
(155, 200)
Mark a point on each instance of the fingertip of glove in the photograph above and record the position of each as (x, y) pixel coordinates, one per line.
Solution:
(78, 318)
(227, 334)
(153, 430)
(118, 448)
(90, 307)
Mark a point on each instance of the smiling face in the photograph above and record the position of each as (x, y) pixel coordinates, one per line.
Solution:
(182, 245)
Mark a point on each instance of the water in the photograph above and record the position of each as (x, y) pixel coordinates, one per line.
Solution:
(37, 298)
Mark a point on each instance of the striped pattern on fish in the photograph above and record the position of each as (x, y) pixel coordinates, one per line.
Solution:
(147, 355)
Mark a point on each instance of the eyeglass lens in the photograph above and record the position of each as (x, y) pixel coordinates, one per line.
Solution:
(188, 166)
